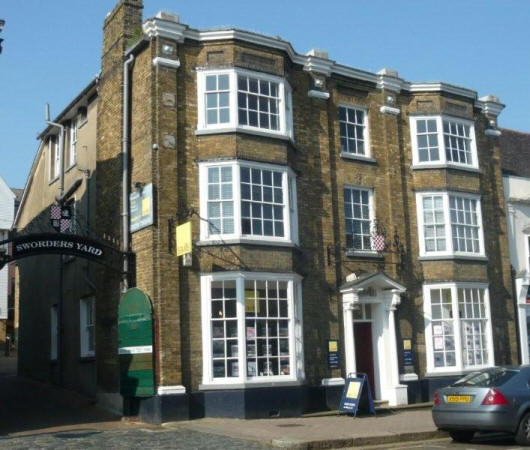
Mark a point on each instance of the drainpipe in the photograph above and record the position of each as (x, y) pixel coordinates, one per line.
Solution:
(125, 173)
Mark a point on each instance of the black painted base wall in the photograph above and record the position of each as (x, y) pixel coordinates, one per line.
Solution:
(420, 391)
(254, 403)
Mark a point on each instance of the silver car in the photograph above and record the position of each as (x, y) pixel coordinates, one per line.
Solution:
(493, 399)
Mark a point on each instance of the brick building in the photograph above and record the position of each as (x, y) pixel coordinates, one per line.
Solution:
(326, 202)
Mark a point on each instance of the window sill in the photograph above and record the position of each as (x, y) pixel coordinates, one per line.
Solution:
(82, 124)
(240, 241)
(87, 358)
(248, 385)
(53, 180)
(70, 167)
(255, 132)
(453, 257)
(432, 166)
(354, 157)
(453, 373)
(364, 254)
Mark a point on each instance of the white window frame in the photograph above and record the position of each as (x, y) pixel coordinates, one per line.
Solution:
(54, 341)
(84, 304)
(284, 104)
(527, 242)
(371, 212)
(457, 328)
(296, 356)
(73, 143)
(442, 162)
(55, 158)
(367, 147)
(448, 252)
(290, 209)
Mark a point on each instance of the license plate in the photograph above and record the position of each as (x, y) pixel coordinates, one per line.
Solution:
(459, 399)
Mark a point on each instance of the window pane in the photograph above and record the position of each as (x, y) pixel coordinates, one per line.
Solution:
(351, 130)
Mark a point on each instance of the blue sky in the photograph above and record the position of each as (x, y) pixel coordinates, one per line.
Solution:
(52, 49)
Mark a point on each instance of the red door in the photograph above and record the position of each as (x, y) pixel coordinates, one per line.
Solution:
(364, 354)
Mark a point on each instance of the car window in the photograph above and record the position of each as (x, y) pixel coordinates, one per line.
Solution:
(487, 378)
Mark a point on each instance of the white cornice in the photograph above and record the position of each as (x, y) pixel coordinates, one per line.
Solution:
(172, 30)
(164, 28)
(166, 62)
(491, 105)
(389, 110)
(318, 94)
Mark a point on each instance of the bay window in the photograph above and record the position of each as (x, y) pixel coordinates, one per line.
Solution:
(457, 327)
(251, 327)
(443, 141)
(241, 100)
(247, 201)
(449, 224)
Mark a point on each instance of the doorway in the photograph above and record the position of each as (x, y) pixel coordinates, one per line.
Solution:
(364, 354)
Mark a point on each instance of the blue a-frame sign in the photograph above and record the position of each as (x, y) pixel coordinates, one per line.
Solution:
(357, 395)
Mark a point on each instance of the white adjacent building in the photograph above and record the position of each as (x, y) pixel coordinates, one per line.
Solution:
(515, 150)
(7, 214)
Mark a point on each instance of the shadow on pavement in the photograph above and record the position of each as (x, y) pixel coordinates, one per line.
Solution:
(29, 406)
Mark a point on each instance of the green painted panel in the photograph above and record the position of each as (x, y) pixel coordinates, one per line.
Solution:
(135, 328)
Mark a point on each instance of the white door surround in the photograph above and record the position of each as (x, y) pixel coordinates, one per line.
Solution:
(384, 295)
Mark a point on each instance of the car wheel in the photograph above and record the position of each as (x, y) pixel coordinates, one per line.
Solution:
(462, 435)
(522, 437)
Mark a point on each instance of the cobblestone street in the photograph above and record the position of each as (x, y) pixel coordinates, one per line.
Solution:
(126, 439)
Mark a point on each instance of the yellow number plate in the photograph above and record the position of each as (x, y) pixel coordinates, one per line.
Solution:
(459, 399)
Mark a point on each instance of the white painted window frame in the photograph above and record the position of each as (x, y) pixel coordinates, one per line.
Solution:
(290, 210)
(371, 211)
(54, 159)
(448, 252)
(284, 104)
(73, 143)
(367, 143)
(54, 318)
(294, 298)
(84, 304)
(442, 162)
(457, 327)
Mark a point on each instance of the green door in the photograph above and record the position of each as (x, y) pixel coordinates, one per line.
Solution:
(135, 328)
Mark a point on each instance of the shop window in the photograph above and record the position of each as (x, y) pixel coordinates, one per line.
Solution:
(458, 327)
(251, 327)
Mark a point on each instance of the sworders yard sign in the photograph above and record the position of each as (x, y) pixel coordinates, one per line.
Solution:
(64, 244)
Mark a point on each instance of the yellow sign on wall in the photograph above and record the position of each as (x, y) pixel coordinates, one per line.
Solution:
(183, 238)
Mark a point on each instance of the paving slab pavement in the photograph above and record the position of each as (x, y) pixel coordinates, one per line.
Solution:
(338, 431)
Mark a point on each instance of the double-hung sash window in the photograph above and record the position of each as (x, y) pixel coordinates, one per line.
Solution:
(358, 213)
(53, 332)
(251, 327)
(237, 99)
(248, 201)
(73, 143)
(443, 141)
(55, 157)
(353, 131)
(450, 224)
(458, 327)
(87, 326)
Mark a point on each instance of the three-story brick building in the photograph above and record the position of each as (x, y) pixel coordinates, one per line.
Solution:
(326, 202)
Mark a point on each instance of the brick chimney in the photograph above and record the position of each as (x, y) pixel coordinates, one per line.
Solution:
(122, 27)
